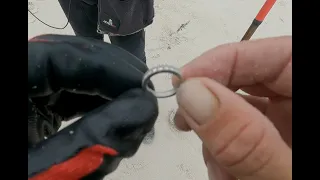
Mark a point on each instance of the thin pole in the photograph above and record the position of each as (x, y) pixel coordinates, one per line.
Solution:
(258, 19)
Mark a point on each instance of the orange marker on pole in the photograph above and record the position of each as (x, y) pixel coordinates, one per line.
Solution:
(258, 19)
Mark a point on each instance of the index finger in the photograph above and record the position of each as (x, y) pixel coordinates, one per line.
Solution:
(263, 63)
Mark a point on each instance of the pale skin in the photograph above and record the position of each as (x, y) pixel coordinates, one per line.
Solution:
(246, 137)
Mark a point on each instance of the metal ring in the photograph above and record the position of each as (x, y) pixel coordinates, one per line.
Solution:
(157, 70)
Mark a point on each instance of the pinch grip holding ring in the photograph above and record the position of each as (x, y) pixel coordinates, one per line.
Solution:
(158, 70)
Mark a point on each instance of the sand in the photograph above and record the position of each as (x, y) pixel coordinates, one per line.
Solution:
(176, 155)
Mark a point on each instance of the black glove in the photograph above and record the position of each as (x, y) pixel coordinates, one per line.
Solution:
(70, 76)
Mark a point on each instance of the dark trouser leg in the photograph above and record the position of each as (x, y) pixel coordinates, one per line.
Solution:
(83, 17)
(134, 43)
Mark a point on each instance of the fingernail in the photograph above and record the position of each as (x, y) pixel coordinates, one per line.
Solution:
(180, 122)
(178, 118)
(176, 82)
(211, 174)
(198, 102)
(217, 173)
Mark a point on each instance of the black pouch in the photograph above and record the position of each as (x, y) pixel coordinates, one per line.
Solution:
(124, 17)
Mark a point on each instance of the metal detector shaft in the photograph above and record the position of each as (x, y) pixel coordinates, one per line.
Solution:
(258, 19)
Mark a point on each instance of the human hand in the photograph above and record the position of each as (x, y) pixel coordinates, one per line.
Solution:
(71, 75)
(246, 137)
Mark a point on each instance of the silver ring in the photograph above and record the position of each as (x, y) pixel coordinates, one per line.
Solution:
(157, 70)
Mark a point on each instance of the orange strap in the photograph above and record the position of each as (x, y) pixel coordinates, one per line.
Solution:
(86, 162)
(265, 10)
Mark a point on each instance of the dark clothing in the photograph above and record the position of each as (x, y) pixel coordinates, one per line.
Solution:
(83, 69)
(85, 16)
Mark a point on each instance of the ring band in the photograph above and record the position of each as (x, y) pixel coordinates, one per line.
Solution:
(158, 70)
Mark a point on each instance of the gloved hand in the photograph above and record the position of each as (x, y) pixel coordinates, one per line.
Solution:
(70, 76)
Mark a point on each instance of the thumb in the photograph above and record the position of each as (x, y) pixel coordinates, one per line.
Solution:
(239, 138)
